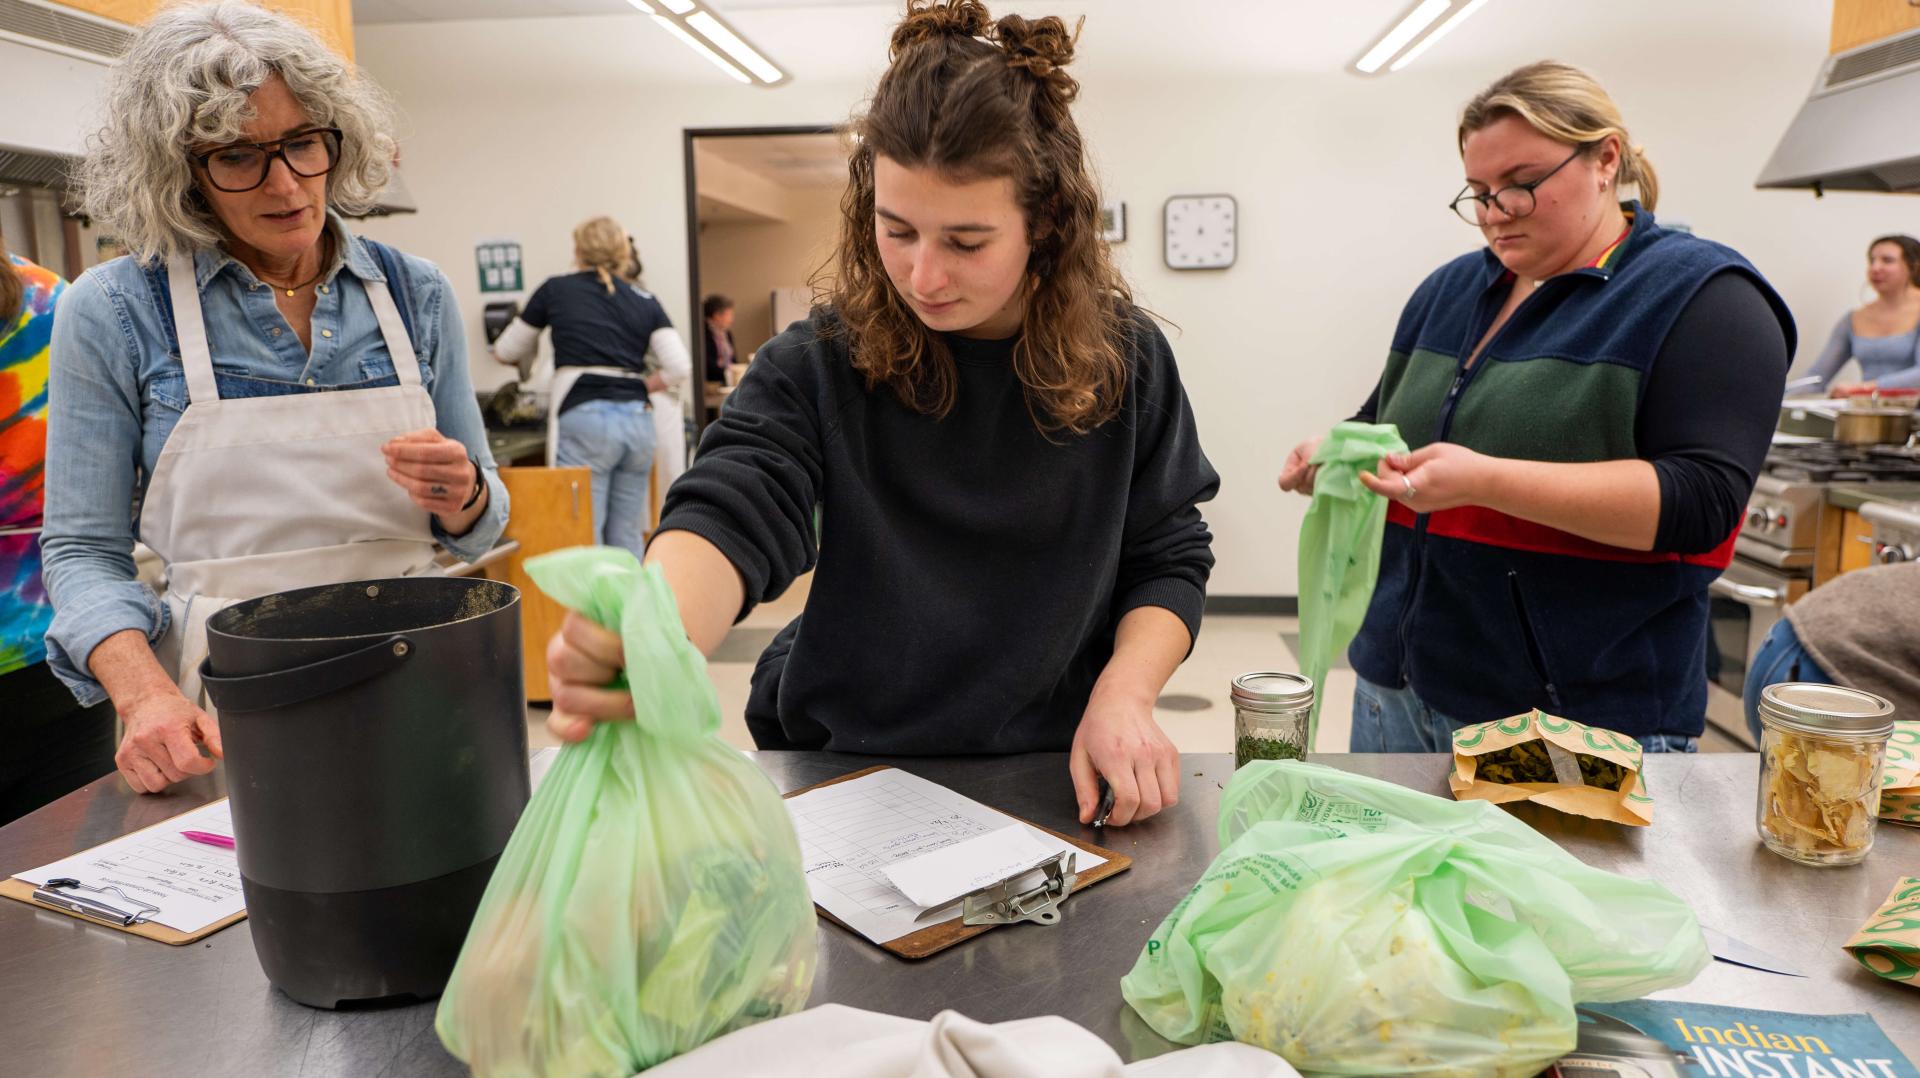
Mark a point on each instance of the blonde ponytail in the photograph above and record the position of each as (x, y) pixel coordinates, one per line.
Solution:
(603, 247)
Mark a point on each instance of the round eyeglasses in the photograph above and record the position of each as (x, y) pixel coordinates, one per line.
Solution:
(1514, 201)
(243, 166)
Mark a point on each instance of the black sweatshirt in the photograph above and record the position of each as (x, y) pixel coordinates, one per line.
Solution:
(971, 571)
(1712, 395)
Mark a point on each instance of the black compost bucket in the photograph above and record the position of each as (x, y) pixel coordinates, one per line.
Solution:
(376, 752)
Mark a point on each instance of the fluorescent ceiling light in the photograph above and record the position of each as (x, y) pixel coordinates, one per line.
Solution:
(693, 22)
(744, 54)
(1396, 39)
(1440, 31)
(702, 48)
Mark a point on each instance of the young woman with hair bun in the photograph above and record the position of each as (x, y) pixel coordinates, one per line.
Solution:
(1011, 556)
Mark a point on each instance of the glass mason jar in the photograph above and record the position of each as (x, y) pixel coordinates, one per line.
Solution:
(1822, 748)
(1270, 714)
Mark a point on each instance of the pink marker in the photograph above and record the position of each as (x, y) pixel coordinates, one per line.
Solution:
(209, 838)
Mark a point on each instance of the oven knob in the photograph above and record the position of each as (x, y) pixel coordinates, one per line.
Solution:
(1890, 553)
(1756, 518)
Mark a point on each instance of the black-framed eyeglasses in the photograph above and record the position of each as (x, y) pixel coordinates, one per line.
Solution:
(242, 166)
(1515, 201)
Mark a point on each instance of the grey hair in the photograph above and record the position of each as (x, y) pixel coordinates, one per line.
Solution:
(187, 78)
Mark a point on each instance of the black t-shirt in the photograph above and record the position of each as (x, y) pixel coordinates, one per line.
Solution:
(596, 328)
(974, 568)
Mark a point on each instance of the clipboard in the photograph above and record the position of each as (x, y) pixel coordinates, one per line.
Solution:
(21, 891)
(938, 937)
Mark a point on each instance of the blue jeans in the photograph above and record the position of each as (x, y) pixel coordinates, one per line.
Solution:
(615, 440)
(1396, 720)
(1780, 658)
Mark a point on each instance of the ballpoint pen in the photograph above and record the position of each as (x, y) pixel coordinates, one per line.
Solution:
(1106, 804)
(208, 838)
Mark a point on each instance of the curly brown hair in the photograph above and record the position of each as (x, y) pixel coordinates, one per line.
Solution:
(972, 99)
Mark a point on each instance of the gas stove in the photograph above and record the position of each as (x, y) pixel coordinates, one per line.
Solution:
(1839, 462)
(1896, 531)
(1782, 526)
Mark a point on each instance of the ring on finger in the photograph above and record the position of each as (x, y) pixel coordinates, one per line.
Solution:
(1408, 495)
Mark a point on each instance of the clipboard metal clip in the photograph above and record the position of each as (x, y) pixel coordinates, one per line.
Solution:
(1004, 903)
(62, 893)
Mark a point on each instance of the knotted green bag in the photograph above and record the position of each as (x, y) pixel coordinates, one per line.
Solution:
(651, 898)
(1340, 549)
(1357, 927)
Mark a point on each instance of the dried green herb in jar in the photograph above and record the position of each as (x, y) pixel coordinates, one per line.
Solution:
(1265, 748)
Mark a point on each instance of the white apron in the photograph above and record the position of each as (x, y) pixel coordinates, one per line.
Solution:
(562, 384)
(263, 494)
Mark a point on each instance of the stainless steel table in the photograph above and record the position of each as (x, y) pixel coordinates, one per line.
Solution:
(78, 999)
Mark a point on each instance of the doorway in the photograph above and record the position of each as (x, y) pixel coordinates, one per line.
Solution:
(763, 212)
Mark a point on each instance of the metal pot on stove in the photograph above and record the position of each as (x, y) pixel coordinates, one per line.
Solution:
(1876, 417)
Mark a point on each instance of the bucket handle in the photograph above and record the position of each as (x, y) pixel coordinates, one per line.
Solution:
(284, 688)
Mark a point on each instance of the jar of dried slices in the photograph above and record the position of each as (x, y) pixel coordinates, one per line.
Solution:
(1821, 751)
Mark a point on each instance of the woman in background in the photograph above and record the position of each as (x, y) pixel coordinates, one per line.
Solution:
(669, 411)
(54, 744)
(718, 311)
(1884, 335)
(598, 413)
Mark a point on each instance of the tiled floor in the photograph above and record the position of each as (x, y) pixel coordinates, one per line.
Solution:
(1194, 712)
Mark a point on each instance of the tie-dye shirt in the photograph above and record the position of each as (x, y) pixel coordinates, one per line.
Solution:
(25, 610)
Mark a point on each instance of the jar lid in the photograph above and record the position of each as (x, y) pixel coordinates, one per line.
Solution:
(1271, 688)
(1826, 709)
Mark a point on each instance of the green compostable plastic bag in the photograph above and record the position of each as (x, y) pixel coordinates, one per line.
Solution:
(651, 897)
(1340, 548)
(1357, 927)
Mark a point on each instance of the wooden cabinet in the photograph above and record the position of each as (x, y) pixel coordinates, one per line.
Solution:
(551, 508)
(1856, 542)
(1858, 22)
(331, 19)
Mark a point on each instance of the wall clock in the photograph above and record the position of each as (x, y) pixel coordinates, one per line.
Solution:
(1202, 232)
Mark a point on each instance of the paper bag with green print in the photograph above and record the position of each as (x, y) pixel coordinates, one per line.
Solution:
(1900, 779)
(1557, 762)
(1889, 943)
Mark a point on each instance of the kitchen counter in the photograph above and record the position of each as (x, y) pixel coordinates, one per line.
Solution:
(1855, 495)
(509, 444)
(85, 1000)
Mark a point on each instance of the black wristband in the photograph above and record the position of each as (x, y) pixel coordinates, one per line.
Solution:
(479, 483)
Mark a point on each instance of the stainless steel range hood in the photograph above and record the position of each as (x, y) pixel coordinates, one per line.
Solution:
(1857, 130)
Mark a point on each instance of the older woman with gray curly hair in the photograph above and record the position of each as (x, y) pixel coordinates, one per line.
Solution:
(288, 404)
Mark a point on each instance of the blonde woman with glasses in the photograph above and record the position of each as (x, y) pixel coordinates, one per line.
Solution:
(1588, 399)
(288, 404)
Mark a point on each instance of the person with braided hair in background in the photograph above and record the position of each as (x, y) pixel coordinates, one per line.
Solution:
(1006, 464)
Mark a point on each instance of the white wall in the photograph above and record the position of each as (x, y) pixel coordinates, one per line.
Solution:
(491, 152)
(1342, 185)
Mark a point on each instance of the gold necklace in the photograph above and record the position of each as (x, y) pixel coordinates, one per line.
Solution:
(326, 263)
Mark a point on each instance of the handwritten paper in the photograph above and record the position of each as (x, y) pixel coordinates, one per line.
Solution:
(853, 831)
(195, 885)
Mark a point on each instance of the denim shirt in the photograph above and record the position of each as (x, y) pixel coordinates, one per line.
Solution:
(117, 391)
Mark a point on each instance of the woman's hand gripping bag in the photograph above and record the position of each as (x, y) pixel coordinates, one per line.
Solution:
(1357, 927)
(651, 898)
